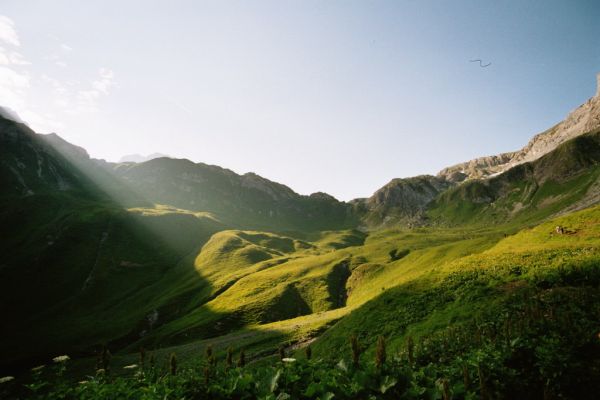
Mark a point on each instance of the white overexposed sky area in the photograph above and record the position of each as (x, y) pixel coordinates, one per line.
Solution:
(334, 96)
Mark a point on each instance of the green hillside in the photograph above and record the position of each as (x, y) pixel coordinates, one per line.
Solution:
(455, 291)
(527, 192)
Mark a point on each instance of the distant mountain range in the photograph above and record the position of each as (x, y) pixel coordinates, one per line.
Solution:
(138, 158)
(254, 201)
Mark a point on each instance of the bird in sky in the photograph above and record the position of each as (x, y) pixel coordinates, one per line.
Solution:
(481, 64)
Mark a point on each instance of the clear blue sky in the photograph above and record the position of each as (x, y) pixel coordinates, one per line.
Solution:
(334, 96)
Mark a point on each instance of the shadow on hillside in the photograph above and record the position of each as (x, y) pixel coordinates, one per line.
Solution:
(80, 271)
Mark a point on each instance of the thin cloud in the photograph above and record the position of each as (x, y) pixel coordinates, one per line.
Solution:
(13, 88)
(57, 86)
(105, 82)
(88, 99)
(180, 106)
(18, 86)
(15, 82)
(8, 33)
(10, 57)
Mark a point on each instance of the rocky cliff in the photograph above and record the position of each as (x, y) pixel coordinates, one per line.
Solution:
(584, 119)
(400, 201)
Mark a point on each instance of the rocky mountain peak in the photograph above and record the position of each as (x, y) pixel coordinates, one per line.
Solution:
(139, 158)
(583, 119)
(400, 200)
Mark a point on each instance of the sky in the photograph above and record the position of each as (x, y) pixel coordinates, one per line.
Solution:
(332, 96)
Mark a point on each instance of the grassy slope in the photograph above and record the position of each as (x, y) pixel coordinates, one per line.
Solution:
(280, 289)
(257, 278)
(448, 277)
(465, 289)
(262, 309)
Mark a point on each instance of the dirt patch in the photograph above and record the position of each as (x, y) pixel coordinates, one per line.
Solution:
(516, 208)
(301, 344)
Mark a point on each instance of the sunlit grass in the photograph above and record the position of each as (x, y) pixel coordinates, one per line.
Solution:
(161, 209)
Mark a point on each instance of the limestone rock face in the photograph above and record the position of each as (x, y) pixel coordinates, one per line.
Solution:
(401, 200)
(584, 119)
(409, 192)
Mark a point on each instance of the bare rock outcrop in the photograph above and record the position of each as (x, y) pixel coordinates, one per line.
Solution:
(583, 119)
(401, 200)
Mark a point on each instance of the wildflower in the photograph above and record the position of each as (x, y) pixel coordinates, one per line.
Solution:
(410, 345)
(281, 352)
(6, 379)
(173, 364)
(38, 368)
(466, 377)
(206, 375)
(380, 355)
(229, 359)
(132, 366)
(242, 360)
(209, 356)
(288, 360)
(104, 359)
(61, 359)
(142, 356)
(356, 350)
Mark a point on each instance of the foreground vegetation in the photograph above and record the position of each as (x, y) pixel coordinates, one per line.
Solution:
(542, 342)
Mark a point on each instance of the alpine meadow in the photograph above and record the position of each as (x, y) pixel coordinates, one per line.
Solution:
(164, 278)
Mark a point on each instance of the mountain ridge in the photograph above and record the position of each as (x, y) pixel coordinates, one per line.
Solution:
(138, 158)
(583, 119)
(261, 203)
